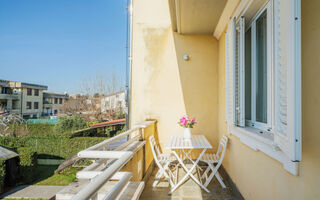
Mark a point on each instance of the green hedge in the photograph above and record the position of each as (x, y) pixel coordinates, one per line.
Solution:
(62, 147)
(2, 174)
(67, 124)
(28, 164)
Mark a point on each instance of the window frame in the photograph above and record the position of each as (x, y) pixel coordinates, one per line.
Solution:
(283, 148)
(29, 89)
(36, 92)
(34, 105)
(252, 24)
(29, 107)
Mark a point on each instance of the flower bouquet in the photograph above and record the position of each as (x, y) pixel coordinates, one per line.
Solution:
(187, 123)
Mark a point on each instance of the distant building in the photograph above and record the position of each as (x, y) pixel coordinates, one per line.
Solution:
(113, 101)
(75, 96)
(25, 99)
(52, 103)
(94, 101)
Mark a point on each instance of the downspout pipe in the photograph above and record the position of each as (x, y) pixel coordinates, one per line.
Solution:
(128, 63)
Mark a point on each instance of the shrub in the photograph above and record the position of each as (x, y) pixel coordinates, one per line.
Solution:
(92, 122)
(41, 130)
(28, 164)
(11, 142)
(2, 174)
(73, 123)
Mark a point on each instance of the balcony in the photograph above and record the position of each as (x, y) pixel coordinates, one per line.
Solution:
(47, 104)
(16, 111)
(9, 96)
(124, 169)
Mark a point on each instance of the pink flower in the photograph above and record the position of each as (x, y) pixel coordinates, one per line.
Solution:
(187, 122)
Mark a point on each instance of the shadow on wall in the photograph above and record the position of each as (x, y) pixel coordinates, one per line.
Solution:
(199, 81)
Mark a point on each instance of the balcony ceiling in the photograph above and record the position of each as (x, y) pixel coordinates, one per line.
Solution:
(195, 16)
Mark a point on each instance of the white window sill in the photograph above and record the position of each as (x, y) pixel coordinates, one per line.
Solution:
(263, 142)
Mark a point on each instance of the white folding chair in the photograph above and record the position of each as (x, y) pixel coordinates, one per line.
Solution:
(214, 161)
(163, 161)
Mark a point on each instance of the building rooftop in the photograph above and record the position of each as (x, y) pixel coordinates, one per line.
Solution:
(55, 95)
(6, 154)
(18, 84)
(109, 123)
(115, 93)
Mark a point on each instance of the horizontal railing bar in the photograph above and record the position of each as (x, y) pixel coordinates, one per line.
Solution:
(92, 174)
(111, 140)
(131, 140)
(117, 189)
(111, 171)
(101, 161)
(100, 180)
(101, 154)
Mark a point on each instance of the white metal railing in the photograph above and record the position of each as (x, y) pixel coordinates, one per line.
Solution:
(116, 158)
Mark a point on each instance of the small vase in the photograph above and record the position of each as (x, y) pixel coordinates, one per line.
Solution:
(187, 133)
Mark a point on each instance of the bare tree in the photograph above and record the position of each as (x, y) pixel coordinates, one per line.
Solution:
(12, 125)
(93, 90)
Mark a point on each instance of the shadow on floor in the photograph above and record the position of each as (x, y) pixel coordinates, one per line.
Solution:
(189, 190)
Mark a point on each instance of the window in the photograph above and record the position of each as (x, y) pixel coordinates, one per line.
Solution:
(36, 105)
(29, 106)
(60, 101)
(257, 73)
(55, 100)
(15, 104)
(263, 79)
(55, 112)
(29, 91)
(6, 90)
(36, 92)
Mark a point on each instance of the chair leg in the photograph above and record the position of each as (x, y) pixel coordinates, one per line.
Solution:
(166, 167)
(157, 178)
(205, 174)
(220, 180)
(213, 173)
(219, 175)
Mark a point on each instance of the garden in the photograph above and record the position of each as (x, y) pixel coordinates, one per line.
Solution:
(34, 142)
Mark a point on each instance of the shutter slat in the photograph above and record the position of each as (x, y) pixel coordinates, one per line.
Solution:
(241, 74)
(230, 66)
(287, 77)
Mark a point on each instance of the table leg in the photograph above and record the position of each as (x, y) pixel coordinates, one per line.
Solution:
(187, 155)
(189, 172)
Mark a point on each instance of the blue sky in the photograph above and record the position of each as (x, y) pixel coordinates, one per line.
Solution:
(60, 43)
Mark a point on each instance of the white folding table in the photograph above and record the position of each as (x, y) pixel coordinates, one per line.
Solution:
(178, 143)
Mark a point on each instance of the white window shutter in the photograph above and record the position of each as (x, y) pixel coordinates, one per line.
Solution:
(230, 66)
(287, 43)
(240, 74)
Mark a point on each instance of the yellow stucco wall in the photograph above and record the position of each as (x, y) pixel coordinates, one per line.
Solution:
(164, 86)
(258, 176)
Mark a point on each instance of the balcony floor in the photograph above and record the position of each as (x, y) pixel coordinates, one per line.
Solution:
(188, 191)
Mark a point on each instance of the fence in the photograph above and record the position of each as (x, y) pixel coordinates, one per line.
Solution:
(42, 121)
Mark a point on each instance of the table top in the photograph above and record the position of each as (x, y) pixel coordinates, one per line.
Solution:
(196, 142)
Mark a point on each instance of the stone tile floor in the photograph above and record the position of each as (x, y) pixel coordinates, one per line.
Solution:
(188, 191)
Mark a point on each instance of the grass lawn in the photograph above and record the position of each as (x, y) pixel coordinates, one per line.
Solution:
(47, 176)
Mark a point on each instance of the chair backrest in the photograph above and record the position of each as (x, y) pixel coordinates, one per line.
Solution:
(222, 149)
(154, 148)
